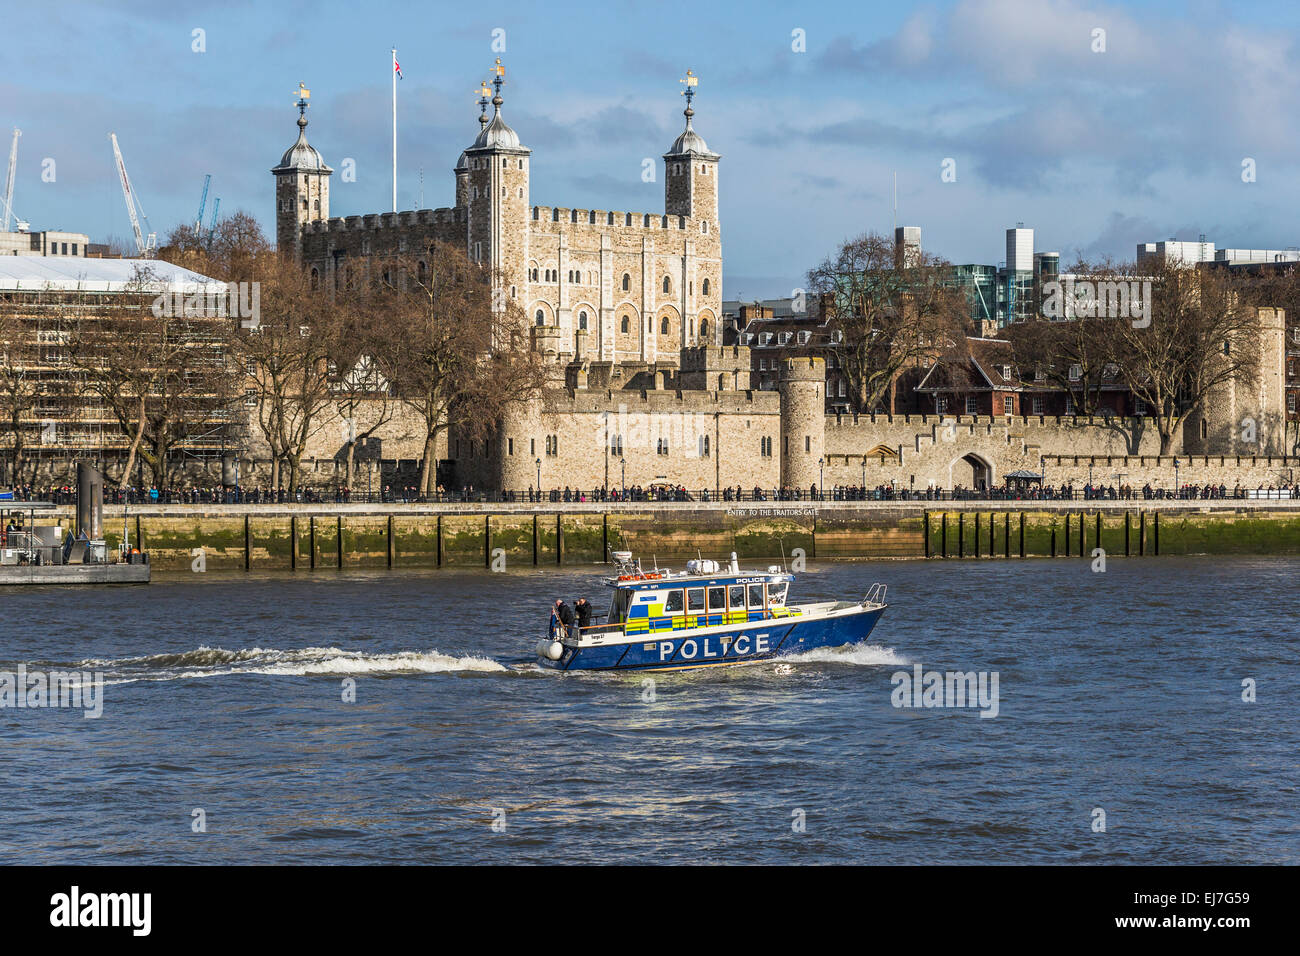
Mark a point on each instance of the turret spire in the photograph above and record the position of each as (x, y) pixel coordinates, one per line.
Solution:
(691, 81)
(303, 95)
(498, 79)
(483, 92)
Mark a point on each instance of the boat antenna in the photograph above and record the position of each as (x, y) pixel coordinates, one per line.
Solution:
(783, 567)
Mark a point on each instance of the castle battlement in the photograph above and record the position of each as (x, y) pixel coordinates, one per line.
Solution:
(386, 220)
(603, 219)
(615, 402)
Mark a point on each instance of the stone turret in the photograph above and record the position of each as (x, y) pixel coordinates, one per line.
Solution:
(803, 420)
(302, 187)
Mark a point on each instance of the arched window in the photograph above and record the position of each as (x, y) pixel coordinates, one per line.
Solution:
(626, 326)
(704, 287)
(582, 320)
(663, 325)
(315, 282)
(668, 285)
(541, 317)
(627, 282)
(704, 328)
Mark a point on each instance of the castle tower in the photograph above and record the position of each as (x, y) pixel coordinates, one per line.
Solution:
(497, 231)
(691, 170)
(803, 421)
(462, 164)
(691, 190)
(302, 186)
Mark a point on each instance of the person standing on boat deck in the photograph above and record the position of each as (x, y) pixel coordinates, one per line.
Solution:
(565, 614)
(584, 612)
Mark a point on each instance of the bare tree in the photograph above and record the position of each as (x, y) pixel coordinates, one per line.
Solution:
(285, 354)
(19, 386)
(159, 366)
(892, 312)
(1202, 334)
(463, 357)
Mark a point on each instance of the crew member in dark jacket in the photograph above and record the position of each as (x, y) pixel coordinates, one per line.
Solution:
(565, 614)
(584, 612)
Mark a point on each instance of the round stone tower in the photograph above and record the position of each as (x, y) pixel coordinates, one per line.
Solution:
(803, 421)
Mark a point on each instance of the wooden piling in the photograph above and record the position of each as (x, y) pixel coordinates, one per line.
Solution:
(559, 540)
(1067, 538)
(392, 546)
(311, 540)
(487, 542)
(976, 520)
(293, 542)
(925, 533)
(437, 534)
(1142, 533)
(1022, 534)
(943, 536)
(535, 547)
(248, 544)
(1155, 533)
(338, 542)
(1126, 534)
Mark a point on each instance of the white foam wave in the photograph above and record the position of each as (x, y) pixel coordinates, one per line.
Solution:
(862, 655)
(307, 661)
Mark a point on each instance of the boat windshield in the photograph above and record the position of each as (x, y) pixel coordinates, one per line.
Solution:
(618, 608)
(776, 594)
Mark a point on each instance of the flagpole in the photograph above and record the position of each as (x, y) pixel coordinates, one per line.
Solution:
(393, 70)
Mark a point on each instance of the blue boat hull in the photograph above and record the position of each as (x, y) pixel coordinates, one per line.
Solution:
(752, 641)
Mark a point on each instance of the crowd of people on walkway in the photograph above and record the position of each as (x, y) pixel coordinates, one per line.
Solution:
(410, 494)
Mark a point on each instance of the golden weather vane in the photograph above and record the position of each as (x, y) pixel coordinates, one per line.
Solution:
(498, 69)
(302, 92)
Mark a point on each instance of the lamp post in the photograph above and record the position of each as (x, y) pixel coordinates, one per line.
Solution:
(1090, 479)
(821, 479)
(539, 479)
(1042, 474)
(622, 465)
(1177, 485)
(864, 477)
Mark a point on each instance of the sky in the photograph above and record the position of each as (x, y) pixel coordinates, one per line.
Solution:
(1175, 120)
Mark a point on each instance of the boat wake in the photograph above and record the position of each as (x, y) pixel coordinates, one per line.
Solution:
(860, 655)
(307, 661)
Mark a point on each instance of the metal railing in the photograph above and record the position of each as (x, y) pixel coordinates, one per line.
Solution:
(262, 496)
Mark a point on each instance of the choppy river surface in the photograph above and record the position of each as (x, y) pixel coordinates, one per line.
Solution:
(223, 712)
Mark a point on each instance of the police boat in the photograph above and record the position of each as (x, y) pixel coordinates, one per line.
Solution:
(704, 616)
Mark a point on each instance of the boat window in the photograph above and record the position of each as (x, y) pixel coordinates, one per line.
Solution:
(756, 595)
(737, 595)
(673, 602)
(695, 599)
(776, 594)
(717, 599)
(618, 609)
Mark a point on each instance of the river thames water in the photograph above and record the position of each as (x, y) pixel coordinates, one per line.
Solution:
(1119, 693)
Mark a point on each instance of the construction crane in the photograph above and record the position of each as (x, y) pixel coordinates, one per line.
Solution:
(144, 244)
(9, 181)
(203, 201)
(212, 226)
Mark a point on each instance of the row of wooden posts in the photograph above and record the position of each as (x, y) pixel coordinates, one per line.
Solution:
(976, 520)
(391, 541)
